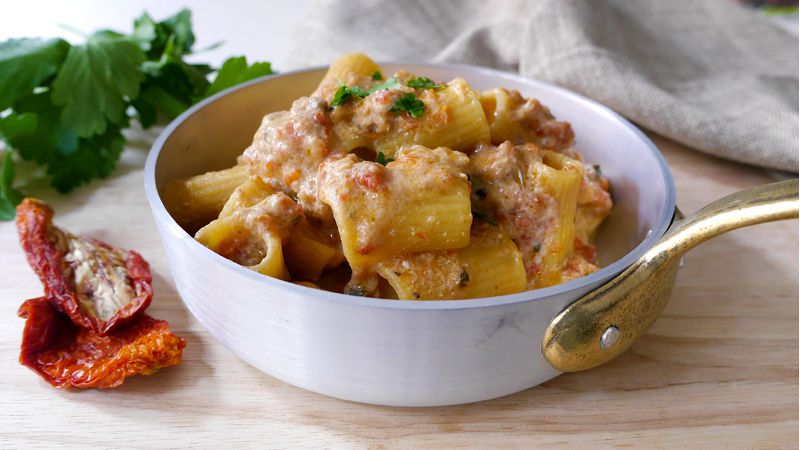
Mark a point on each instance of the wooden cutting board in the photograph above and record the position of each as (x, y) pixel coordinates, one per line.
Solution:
(719, 369)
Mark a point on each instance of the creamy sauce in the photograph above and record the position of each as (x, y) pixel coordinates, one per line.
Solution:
(289, 147)
(372, 195)
(254, 226)
(528, 213)
(528, 120)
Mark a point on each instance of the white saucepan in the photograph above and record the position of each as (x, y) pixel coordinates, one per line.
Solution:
(392, 352)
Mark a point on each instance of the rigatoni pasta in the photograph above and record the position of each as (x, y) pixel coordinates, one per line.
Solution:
(194, 201)
(417, 203)
(490, 265)
(409, 187)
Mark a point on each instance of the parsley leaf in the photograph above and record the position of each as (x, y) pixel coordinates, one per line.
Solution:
(16, 124)
(47, 137)
(70, 160)
(94, 157)
(410, 104)
(424, 83)
(345, 94)
(96, 78)
(25, 63)
(377, 75)
(171, 85)
(65, 107)
(475, 181)
(486, 217)
(235, 71)
(382, 159)
(154, 37)
(463, 278)
(391, 83)
(9, 197)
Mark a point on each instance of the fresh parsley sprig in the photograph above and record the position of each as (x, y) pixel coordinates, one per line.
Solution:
(64, 106)
(346, 93)
(391, 83)
(382, 159)
(410, 104)
(9, 197)
(484, 216)
(424, 83)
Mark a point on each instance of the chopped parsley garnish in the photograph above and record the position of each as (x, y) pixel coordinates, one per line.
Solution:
(596, 168)
(537, 247)
(474, 180)
(424, 83)
(486, 217)
(463, 278)
(391, 83)
(410, 104)
(358, 291)
(382, 159)
(345, 93)
(377, 76)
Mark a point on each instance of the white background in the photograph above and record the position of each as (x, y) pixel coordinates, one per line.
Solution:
(259, 30)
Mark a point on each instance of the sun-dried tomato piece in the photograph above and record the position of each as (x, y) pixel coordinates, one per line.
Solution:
(97, 286)
(67, 355)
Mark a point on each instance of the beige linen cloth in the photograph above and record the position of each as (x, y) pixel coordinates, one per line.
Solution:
(708, 73)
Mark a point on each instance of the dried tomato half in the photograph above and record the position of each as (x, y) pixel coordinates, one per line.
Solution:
(67, 355)
(97, 286)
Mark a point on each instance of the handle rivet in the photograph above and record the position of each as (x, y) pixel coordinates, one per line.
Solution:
(609, 337)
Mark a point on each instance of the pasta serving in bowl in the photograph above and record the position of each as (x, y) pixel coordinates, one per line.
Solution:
(400, 234)
(408, 187)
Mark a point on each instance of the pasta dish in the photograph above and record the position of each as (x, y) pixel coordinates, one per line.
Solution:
(403, 187)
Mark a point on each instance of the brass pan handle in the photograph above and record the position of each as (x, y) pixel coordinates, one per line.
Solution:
(604, 323)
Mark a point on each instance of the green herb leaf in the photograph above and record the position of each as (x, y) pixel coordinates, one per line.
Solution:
(17, 124)
(463, 278)
(65, 107)
(377, 75)
(95, 80)
(172, 80)
(391, 83)
(154, 99)
(537, 247)
(9, 197)
(382, 159)
(145, 32)
(94, 157)
(410, 104)
(70, 161)
(486, 217)
(25, 64)
(474, 180)
(235, 71)
(154, 38)
(358, 290)
(345, 94)
(49, 137)
(424, 83)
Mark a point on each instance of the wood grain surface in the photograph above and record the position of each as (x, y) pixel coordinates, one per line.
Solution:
(718, 370)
